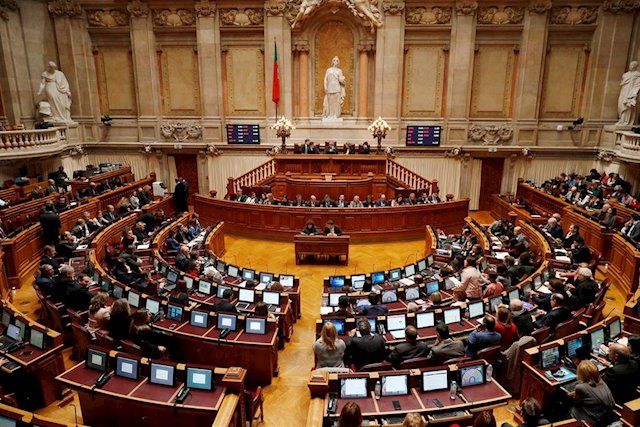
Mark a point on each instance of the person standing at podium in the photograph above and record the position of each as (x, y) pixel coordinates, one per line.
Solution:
(310, 229)
(331, 229)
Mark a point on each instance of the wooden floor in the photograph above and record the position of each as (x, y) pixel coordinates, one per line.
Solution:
(287, 398)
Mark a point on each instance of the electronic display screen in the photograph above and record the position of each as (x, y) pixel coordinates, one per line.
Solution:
(22, 327)
(494, 303)
(248, 274)
(172, 276)
(201, 379)
(232, 271)
(162, 374)
(377, 278)
(550, 357)
(425, 320)
(336, 281)
(174, 312)
(272, 298)
(353, 388)
(412, 293)
(433, 287)
(96, 359)
(435, 380)
(597, 338)
(410, 270)
(205, 287)
(286, 281)
(395, 385)
(199, 318)
(246, 295)
(227, 321)
(221, 267)
(614, 329)
(334, 299)
(422, 265)
(389, 296)
(152, 305)
(36, 338)
(396, 322)
(476, 309)
(339, 325)
(423, 136)
(357, 281)
(118, 292)
(243, 134)
(7, 422)
(514, 294)
(472, 375)
(127, 368)
(13, 332)
(266, 278)
(6, 318)
(133, 299)
(220, 290)
(451, 315)
(189, 281)
(256, 325)
(573, 345)
(395, 275)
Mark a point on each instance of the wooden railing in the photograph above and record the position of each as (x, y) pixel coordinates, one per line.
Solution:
(20, 139)
(251, 178)
(409, 178)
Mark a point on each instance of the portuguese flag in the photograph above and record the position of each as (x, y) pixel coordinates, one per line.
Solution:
(275, 94)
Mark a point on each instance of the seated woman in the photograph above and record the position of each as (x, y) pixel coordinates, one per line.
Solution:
(310, 229)
(142, 335)
(329, 349)
(123, 206)
(506, 327)
(179, 294)
(262, 310)
(128, 238)
(592, 399)
(99, 313)
(120, 320)
(171, 242)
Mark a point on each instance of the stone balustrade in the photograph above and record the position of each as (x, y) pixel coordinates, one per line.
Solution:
(628, 145)
(25, 142)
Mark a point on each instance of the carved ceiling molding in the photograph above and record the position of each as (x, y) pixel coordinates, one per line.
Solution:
(7, 6)
(174, 17)
(540, 7)
(107, 18)
(242, 17)
(570, 15)
(65, 8)
(466, 7)
(181, 131)
(279, 7)
(621, 6)
(367, 12)
(490, 134)
(138, 9)
(500, 15)
(428, 15)
(204, 9)
(392, 7)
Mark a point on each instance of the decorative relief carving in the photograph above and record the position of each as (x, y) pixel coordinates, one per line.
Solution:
(490, 134)
(301, 47)
(279, 7)
(204, 9)
(174, 17)
(428, 16)
(107, 18)
(181, 131)
(7, 6)
(393, 7)
(581, 15)
(68, 8)
(620, 6)
(540, 7)
(298, 11)
(466, 7)
(500, 15)
(138, 9)
(241, 17)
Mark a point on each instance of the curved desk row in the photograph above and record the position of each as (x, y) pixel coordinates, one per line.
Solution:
(25, 418)
(286, 221)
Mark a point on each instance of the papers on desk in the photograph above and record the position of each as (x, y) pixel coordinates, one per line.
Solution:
(560, 251)
(535, 216)
(326, 310)
(544, 290)
(561, 375)
(142, 247)
(443, 252)
(496, 247)
(406, 282)
(623, 341)
(82, 247)
(501, 255)
(563, 258)
(261, 287)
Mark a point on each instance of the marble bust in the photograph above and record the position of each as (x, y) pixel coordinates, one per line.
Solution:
(57, 93)
(334, 91)
(628, 99)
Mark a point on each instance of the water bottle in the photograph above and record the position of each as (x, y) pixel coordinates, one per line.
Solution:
(377, 389)
(489, 372)
(453, 390)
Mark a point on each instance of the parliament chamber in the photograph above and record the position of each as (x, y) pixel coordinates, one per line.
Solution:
(322, 213)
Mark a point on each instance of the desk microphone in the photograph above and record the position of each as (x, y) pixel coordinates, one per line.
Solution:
(224, 333)
(182, 395)
(286, 264)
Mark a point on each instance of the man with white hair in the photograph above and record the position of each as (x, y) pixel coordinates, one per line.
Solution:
(554, 229)
(585, 288)
(211, 274)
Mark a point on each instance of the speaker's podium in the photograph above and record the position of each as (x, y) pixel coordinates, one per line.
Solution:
(321, 249)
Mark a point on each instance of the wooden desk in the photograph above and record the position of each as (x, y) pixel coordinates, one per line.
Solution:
(124, 173)
(321, 246)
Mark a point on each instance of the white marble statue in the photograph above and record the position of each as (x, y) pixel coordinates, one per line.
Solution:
(57, 93)
(628, 99)
(334, 90)
(306, 8)
(366, 8)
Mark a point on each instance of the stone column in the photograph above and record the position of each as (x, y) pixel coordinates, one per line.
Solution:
(17, 94)
(463, 37)
(76, 61)
(363, 79)
(145, 68)
(389, 61)
(209, 62)
(531, 65)
(303, 79)
(277, 28)
(608, 61)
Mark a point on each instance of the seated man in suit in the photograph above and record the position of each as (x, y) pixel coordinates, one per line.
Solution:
(298, 201)
(553, 228)
(484, 336)
(341, 202)
(580, 252)
(409, 349)
(559, 313)
(45, 281)
(49, 258)
(445, 347)
(110, 215)
(182, 259)
(65, 280)
(51, 187)
(77, 295)
(80, 230)
(521, 317)
(382, 201)
(327, 202)
(331, 229)
(366, 348)
(343, 308)
(374, 308)
(584, 289)
(632, 227)
(622, 376)
(225, 303)
(67, 244)
(570, 237)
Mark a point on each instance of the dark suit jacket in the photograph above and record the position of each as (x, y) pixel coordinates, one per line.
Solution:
(581, 254)
(50, 223)
(378, 310)
(556, 232)
(568, 241)
(77, 297)
(524, 323)
(78, 231)
(445, 350)
(553, 318)
(336, 230)
(45, 284)
(406, 351)
(365, 350)
(584, 293)
(60, 289)
(52, 262)
(225, 306)
(622, 379)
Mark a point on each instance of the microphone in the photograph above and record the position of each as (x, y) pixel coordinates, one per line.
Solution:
(285, 267)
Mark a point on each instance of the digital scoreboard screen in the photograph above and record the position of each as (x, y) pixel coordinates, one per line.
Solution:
(243, 134)
(423, 136)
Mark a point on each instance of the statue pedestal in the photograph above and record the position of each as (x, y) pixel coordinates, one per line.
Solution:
(332, 122)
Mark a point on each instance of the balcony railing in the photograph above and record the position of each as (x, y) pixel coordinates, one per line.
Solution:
(16, 140)
(628, 144)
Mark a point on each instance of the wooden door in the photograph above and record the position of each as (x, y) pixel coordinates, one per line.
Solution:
(187, 168)
(491, 181)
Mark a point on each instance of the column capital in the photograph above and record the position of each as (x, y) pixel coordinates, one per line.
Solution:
(539, 7)
(65, 8)
(466, 7)
(366, 47)
(205, 9)
(300, 47)
(275, 7)
(138, 9)
(7, 6)
(393, 7)
(620, 6)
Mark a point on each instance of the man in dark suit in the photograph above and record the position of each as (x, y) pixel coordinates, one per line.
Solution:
(110, 214)
(60, 177)
(366, 348)
(580, 251)
(410, 349)
(181, 195)
(298, 201)
(382, 201)
(632, 227)
(585, 288)
(343, 308)
(80, 230)
(51, 187)
(225, 303)
(50, 224)
(558, 313)
(45, 281)
(554, 229)
(49, 257)
(182, 259)
(574, 232)
(331, 229)
(77, 296)
(521, 317)
(374, 308)
(622, 376)
(484, 336)
(445, 347)
(65, 280)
